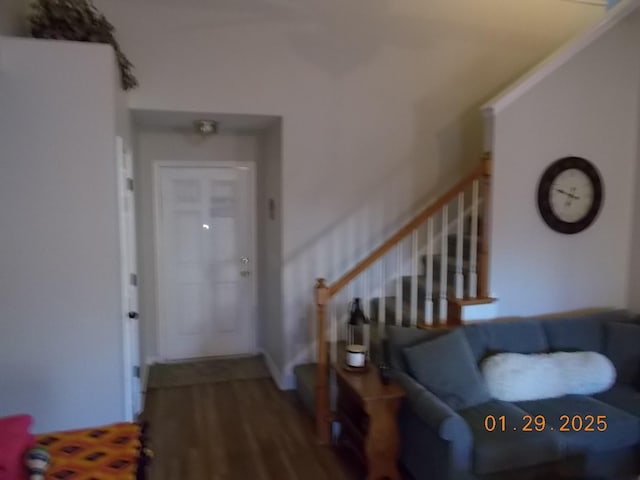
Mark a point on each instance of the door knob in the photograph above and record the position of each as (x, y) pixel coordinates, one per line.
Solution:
(244, 260)
(133, 315)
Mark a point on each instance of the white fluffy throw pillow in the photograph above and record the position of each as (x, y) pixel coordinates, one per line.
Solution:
(514, 377)
(585, 373)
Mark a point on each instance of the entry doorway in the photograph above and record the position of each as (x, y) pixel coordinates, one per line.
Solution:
(205, 258)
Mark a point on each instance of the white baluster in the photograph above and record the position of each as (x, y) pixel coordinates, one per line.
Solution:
(348, 332)
(428, 303)
(366, 339)
(473, 251)
(382, 301)
(366, 308)
(459, 279)
(366, 293)
(414, 277)
(333, 332)
(350, 294)
(399, 273)
(444, 263)
(341, 307)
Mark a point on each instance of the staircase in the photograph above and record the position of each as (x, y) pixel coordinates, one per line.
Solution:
(430, 266)
(424, 276)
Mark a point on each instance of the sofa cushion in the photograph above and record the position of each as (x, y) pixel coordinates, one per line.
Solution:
(518, 336)
(623, 348)
(581, 333)
(499, 450)
(401, 337)
(623, 397)
(446, 367)
(622, 429)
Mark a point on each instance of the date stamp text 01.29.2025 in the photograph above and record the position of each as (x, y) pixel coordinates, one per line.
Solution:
(539, 423)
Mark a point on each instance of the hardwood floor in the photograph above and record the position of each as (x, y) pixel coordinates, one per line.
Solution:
(239, 429)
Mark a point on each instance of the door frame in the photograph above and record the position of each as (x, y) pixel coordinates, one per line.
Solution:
(124, 158)
(162, 338)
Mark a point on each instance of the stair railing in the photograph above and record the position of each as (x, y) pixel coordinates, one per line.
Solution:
(428, 236)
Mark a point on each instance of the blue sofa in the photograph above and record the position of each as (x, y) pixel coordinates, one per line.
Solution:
(446, 436)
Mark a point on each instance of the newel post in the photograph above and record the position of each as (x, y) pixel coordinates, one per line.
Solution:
(483, 256)
(323, 421)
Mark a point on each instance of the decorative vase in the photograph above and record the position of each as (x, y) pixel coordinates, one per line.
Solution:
(37, 461)
(357, 337)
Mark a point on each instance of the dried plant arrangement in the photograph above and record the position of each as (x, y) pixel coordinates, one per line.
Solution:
(78, 20)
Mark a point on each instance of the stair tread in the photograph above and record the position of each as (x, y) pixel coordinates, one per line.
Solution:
(466, 238)
(306, 380)
(422, 280)
(451, 257)
(473, 301)
(390, 301)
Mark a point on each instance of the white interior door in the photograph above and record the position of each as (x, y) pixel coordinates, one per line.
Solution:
(133, 389)
(206, 248)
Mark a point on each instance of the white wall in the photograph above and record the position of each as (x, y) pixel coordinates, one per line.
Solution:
(154, 145)
(379, 103)
(61, 356)
(634, 265)
(588, 107)
(271, 335)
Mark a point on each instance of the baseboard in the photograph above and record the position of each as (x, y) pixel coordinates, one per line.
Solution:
(144, 374)
(144, 378)
(148, 362)
(275, 372)
(288, 381)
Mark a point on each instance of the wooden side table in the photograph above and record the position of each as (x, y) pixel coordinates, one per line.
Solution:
(367, 411)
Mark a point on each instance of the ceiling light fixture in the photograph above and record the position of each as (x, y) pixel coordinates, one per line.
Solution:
(206, 127)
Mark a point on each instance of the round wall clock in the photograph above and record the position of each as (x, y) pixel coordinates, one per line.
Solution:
(570, 195)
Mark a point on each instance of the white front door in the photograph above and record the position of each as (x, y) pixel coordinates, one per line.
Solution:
(205, 264)
(133, 389)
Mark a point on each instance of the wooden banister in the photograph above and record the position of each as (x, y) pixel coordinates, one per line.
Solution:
(483, 243)
(324, 293)
(407, 229)
(323, 422)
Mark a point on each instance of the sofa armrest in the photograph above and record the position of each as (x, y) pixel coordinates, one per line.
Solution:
(442, 432)
(434, 412)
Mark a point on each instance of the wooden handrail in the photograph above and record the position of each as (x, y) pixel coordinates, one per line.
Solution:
(478, 172)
